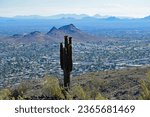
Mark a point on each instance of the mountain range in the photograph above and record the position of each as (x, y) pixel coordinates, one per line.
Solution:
(95, 25)
(54, 35)
(75, 16)
(59, 16)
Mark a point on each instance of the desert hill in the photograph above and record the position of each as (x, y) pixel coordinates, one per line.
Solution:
(116, 84)
(122, 84)
(54, 35)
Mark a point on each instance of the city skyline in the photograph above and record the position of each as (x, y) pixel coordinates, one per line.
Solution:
(125, 8)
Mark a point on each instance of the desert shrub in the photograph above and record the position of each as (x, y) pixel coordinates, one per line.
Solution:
(92, 89)
(22, 88)
(5, 94)
(145, 86)
(51, 88)
(145, 93)
(99, 97)
(67, 95)
(77, 92)
(19, 92)
(87, 92)
(93, 94)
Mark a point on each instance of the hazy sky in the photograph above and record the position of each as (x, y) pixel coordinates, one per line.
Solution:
(131, 8)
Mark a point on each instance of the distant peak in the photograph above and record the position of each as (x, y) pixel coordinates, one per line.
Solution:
(35, 32)
(68, 27)
(71, 25)
(17, 35)
(112, 18)
(53, 29)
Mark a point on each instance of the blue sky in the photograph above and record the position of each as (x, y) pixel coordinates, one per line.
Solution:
(128, 8)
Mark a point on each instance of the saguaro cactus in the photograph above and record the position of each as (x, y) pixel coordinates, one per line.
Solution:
(66, 59)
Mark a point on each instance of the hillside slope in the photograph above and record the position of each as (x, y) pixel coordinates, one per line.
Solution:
(117, 84)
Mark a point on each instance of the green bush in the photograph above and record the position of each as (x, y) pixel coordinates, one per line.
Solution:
(145, 86)
(19, 93)
(51, 88)
(92, 89)
(5, 94)
(99, 97)
(86, 93)
(77, 92)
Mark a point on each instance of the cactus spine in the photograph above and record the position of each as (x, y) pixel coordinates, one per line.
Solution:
(66, 59)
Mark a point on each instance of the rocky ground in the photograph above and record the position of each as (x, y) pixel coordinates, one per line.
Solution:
(118, 84)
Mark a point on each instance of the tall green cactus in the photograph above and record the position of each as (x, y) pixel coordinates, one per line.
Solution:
(66, 59)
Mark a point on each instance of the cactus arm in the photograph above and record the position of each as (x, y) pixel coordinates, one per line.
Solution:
(70, 40)
(70, 57)
(66, 41)
(61, 56)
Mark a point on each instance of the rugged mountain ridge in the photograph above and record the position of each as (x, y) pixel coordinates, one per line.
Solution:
(72, 31)
(54, 35)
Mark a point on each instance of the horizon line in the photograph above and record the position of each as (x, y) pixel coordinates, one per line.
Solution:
(87, 15)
